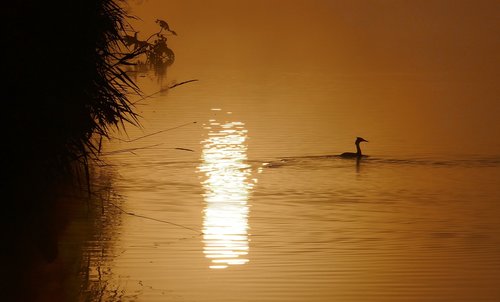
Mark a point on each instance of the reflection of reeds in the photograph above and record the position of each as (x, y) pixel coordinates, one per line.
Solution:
(95, 280)
(86, 247)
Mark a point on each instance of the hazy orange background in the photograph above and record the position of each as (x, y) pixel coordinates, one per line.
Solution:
(428, 68)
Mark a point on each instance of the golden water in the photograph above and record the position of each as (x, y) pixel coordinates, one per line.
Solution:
(258, 213)
(225, 221)
(261, 209)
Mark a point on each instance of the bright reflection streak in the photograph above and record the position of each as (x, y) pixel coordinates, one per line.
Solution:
(227, 186)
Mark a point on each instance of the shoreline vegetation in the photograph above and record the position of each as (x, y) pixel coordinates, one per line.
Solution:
(67, 88)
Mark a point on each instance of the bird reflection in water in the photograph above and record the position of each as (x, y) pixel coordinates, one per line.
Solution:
(227, 185)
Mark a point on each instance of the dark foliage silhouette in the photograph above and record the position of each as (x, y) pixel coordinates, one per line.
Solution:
(64, 89)
(153, 52)
(66, 84)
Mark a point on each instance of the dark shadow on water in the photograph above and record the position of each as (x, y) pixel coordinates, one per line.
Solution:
(52, 250)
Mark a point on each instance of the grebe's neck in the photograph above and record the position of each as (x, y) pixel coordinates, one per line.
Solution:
(358, 149)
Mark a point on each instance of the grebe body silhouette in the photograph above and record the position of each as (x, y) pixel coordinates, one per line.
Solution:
(358, 153)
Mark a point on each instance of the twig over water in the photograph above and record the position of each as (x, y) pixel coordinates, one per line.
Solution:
(131, 150)
(155, 219)
(154, 133)
(163, 90)
(181, 83)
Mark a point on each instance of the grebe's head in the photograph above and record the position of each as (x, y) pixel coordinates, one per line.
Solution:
(360, 139)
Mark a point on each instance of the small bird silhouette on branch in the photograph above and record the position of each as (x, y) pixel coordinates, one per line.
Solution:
(164, 25)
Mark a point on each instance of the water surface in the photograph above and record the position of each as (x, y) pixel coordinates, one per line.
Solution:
(240, 196)
(278, 218)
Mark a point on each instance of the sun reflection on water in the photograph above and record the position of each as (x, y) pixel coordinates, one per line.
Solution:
(227, 186)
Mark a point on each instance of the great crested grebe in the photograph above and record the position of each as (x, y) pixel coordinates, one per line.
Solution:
(358, 153)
